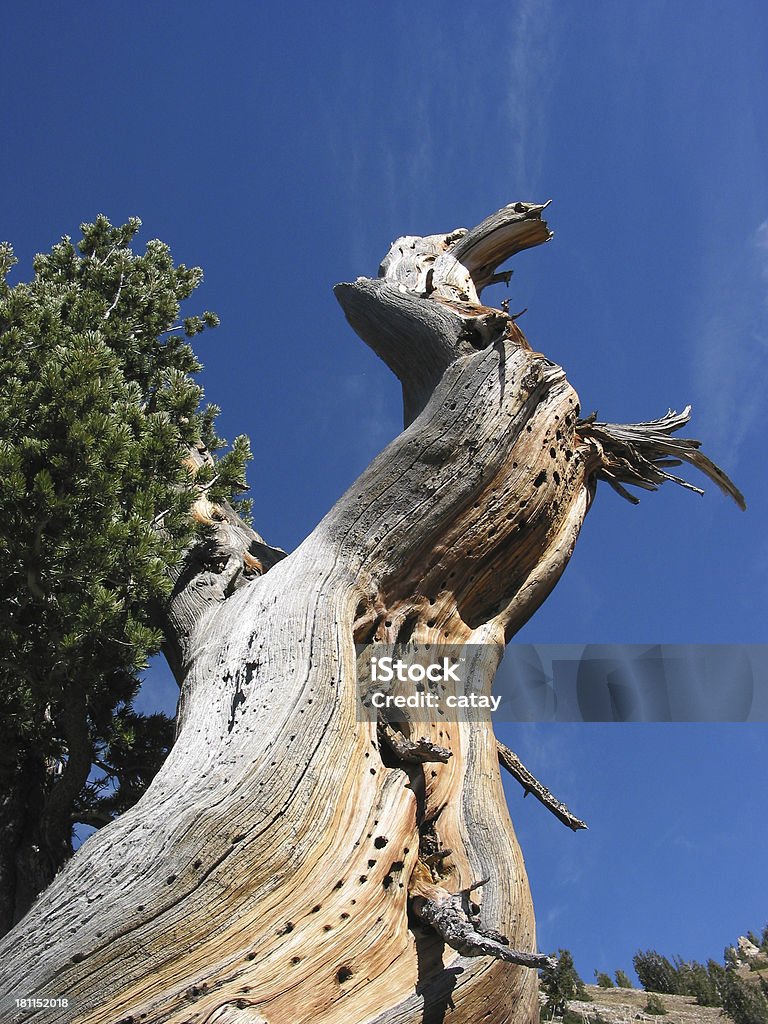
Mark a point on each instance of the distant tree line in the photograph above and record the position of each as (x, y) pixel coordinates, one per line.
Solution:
(745, 999)
(603, 980)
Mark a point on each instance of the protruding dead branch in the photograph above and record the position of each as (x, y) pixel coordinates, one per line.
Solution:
(420, 339)
(224, 557)
(640, 454)
(418, 751)
(459, 264)
(531, 784)
(456, 919)
(506, 232)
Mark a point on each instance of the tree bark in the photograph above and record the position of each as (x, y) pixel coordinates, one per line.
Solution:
(293, 864)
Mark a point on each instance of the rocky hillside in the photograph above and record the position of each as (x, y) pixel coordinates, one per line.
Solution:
(741, 984)
(625, 1006)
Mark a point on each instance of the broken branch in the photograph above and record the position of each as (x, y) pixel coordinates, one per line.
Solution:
(452, 917)
(637, 454)
(531, 784)
(418, 751)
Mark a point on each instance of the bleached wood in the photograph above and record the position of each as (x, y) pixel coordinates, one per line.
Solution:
(265, 875)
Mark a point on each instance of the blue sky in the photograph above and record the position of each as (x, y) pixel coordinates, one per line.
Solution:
(284, 148)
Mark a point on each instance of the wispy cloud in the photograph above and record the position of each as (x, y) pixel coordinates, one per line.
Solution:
(382, 420)
(545, 750)
(761, 249)
(732, 351)
(529, 83)
(460, 112)
(498, 100)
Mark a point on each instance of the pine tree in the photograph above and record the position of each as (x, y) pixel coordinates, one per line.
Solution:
(98, 412)
(656, 972)
(655, 1005)
(745, 1003)
(560, 984)
(698, 981)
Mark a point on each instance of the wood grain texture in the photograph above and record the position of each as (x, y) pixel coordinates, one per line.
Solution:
(265, 875)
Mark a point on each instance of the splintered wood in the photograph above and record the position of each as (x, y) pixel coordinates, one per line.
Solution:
(291, 863)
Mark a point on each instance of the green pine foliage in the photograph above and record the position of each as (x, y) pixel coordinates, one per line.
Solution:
(745, 1003)
(572, 1017)
(701, 982)
(715, 984)
(98, 408)
(712, 995)
(738, 986)
(656, 972)
(560, 984)
(655, 1005)
(679, 977)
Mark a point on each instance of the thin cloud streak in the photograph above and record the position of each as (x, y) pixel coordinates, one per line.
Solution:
(732, 352)
(476, 117)
(530, 68)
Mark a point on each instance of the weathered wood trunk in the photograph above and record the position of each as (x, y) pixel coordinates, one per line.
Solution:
(272, 870)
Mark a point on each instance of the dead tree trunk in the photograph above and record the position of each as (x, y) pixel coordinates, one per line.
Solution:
(283, 867)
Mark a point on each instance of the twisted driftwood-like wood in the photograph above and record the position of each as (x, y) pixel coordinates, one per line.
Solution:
(290, 864)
